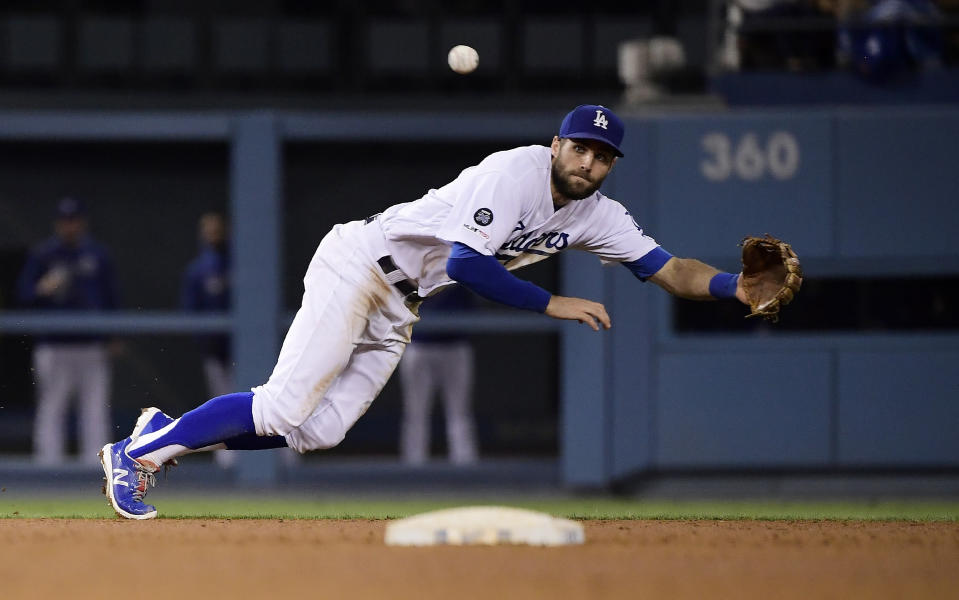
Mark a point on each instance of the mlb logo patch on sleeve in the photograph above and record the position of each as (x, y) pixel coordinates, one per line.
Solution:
(483, 216)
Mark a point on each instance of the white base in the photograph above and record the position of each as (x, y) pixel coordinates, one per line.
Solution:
(484, 525)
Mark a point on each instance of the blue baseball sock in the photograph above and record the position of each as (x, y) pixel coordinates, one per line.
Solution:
(217, 420)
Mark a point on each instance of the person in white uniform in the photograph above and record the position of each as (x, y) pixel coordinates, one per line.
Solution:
(439, 364)
(368, 278)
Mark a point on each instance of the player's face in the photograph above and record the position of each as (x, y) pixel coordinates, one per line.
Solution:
(580, 166)
(212, 229)
(71, 229)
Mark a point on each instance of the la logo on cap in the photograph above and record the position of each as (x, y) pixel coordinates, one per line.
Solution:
(600, 120)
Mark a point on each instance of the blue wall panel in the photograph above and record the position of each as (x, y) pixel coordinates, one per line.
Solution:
(897, 184)
(633, 178)
(634, 319)
(584, 425)
(899, 408)
(712, 412)
(722, 177)
(256, 190)
(631, 377)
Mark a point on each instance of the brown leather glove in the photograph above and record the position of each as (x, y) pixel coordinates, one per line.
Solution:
(771, 275)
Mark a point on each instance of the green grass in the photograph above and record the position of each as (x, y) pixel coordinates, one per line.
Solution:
(278, 507)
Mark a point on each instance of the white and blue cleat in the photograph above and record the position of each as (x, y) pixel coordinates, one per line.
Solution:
(151, 419)
(126, 479)
(126, 482)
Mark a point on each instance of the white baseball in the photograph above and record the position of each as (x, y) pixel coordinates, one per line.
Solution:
(463, 59)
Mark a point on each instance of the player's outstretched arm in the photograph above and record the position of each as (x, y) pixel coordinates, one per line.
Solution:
(578, 309)
(690, 278)
(488, 278)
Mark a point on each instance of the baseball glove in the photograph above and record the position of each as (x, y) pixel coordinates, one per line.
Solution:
(771, 275)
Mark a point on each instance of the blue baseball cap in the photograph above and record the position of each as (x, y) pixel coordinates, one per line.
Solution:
(71, 207)
(594, 122)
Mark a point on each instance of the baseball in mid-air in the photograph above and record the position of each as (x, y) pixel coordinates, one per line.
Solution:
(463, 59)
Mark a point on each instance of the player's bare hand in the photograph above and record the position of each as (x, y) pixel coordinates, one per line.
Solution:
(52, 282)
(740, 292)
(578, 309)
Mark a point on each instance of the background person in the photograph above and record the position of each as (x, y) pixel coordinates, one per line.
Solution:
(888, 40)
(206, 288)
(69, 272)
(439, 364)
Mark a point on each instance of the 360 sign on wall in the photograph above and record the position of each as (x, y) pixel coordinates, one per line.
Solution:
(766, 172)
(750, 157)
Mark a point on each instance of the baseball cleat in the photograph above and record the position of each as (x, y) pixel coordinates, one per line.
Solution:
(127, 482)
(151, 419)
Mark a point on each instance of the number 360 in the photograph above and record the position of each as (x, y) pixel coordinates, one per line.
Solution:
(749, 159)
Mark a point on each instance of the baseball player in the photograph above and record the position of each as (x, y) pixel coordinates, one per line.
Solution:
(69, 271)
(368, 278)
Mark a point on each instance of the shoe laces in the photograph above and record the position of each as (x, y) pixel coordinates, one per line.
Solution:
(145, 480)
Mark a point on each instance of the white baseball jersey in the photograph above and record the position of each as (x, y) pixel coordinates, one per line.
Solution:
(354, 324)
(503, 207)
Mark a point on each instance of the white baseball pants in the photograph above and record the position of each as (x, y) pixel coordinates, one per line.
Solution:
(445, 368)
(343, 345)
(62, 370)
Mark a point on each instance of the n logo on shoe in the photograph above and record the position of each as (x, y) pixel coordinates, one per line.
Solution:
(118, 475)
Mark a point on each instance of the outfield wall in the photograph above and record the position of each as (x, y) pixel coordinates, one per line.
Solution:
(856, 192)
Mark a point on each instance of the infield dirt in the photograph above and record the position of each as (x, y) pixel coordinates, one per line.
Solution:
(236, 559)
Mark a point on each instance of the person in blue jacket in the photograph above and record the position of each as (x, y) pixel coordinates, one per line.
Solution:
(70, 271)
(206, 288)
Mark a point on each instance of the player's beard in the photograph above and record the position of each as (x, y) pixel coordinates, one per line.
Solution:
(562, 182)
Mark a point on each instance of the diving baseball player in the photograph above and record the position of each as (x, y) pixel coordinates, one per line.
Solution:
(368, 277)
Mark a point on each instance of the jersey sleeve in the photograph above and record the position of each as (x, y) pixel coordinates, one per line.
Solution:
(615, 236)
(484, 214)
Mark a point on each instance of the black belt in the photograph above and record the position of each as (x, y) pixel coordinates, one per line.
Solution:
(393, 274)
(398, 279)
